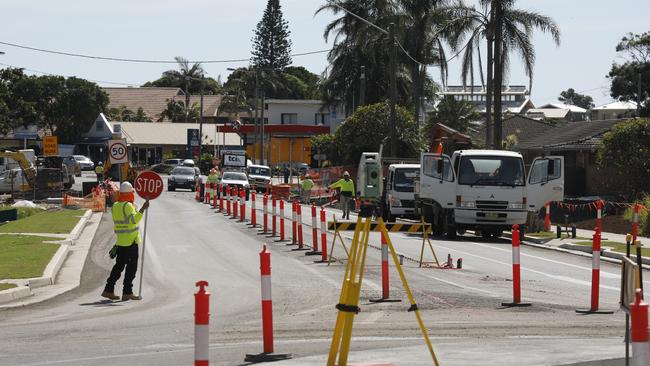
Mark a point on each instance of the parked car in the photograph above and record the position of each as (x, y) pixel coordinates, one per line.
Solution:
(236, 179)
(188, 162)
(182, 177)
(259, 176)
(84, 162)
(174, 161)
(73, 164)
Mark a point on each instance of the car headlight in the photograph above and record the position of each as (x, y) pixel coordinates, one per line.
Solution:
(394, 201)
(467, 204)
(516, 205)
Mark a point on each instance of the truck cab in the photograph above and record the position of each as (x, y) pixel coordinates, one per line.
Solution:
(399, 191)
(485, 190)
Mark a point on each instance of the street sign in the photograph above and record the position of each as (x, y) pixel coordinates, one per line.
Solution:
(118, 151)
(234, 160)
(148, 185)
(50, 146)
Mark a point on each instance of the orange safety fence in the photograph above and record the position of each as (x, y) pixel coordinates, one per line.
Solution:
(95, 201)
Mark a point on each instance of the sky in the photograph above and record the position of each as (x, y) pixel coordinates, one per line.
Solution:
(202, 30)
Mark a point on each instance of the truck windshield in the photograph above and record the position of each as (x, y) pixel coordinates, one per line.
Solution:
(259, 171)
(405, 179)
(491, 171)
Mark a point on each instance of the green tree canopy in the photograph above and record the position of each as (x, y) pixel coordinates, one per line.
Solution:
(453, 113)
(68, 107)
(124, 114)
(368, 127)
(176, 112)
(625, 149)
(570, 96)
(271, 44)
(635, 48)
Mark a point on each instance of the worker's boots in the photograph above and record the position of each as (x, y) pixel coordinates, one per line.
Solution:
(110, 295)
(130, 297)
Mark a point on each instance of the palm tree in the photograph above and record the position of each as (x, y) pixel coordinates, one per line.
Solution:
(189, 76)
(505, 30)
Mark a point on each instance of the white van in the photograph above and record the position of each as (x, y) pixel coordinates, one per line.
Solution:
(399, 191)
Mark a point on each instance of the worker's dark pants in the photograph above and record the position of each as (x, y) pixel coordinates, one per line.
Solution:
(126, 257)
(100, 177)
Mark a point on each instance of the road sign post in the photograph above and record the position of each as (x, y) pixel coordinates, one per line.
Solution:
(149, 186)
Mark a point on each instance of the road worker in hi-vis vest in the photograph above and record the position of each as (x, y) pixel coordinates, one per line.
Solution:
(126, 217)
(212, 179)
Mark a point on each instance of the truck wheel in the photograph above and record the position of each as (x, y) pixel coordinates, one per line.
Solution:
(497, 233)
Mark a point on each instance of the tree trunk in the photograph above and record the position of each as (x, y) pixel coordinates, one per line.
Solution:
(498, 72)
(488, 91)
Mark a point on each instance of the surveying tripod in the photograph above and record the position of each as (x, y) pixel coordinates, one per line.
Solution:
(348, 305)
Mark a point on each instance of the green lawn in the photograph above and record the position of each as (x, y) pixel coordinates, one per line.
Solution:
(6, 286)
(617, 247)
(23, 256)
(53, 222)
(551, 235)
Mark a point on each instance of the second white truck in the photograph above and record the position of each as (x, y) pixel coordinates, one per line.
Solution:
(484, 190)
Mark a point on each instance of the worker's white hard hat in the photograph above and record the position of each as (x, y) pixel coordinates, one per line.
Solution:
(126, 187)
(346, 174)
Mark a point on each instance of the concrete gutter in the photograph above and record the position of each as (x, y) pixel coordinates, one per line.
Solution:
(27, 286)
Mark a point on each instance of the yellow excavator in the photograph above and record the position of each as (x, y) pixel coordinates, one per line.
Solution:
(25, 165)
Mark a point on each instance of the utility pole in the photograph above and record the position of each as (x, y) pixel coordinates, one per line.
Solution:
(262, 130)
(362, 87)
(201, 122)
(256, 121)
(393, 90)
(638, 99)
(187, 97)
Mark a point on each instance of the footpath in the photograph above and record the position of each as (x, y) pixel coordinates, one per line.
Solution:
(63, 273)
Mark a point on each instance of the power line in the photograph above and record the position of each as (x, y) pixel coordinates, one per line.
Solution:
(51, 74)
(71, 54)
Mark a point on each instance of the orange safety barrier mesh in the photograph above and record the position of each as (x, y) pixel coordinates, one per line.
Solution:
(96, 201)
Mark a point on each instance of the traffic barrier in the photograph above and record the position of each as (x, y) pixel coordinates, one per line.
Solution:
(635, 223)
(314, 232)
(323, 235)
(228, 210)
(95, 201)
(242, 208)
(547, 218)
(214, 198)
(390, 226)
(274, 216)
(639, 332)
(206, 193)
(265, 203)
(595, 276)
(253, 210)
(293, 223)
(220, 197)
(235, 202)
(516, 270)
(201, 325)
(599, 215)
(281, 220)
(267, 313)
(385, 284)
(299, 223)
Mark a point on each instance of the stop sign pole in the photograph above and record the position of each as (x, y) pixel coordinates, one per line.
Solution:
(149, 186)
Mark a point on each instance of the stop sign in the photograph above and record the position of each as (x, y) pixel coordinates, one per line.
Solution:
(148, 185)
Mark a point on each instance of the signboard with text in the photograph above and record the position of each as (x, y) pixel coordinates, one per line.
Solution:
(50, 146)
(148, 185)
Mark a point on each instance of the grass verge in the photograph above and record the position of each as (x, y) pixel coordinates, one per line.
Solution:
(22, 211)
(552, 235)
(617, 247)
(52, 222)
(24, 256)
(6, 286)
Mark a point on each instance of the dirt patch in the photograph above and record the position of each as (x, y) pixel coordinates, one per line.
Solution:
(611, 224)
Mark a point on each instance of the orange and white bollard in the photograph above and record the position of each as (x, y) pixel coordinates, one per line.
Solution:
(547, 218)
(595, 277)
(214, 198)
(220, 197)
(294, 238)
(635, 223)
(323, 235)
(274, 219)
(267, 313)
(516, 271)
(299, 224)
(242, 208)
(235, 203)
(314, 232)
(228, 201)
(253, 209)
(599, 215)
(266, 210)
(639, 332)
(202, 325)
(281, 220)
(385, 284)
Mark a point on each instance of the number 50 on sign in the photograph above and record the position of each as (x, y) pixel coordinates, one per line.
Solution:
(118, 151)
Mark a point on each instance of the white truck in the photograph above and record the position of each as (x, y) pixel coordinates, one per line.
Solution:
(398, 199)
(484, 190)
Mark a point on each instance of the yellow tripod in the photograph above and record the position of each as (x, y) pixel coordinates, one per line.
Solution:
(348, 305)
(426, 231)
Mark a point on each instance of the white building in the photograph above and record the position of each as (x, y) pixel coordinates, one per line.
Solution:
(614, 110)
(302, 112)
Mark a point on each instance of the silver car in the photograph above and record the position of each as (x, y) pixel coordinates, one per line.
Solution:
(84, 162)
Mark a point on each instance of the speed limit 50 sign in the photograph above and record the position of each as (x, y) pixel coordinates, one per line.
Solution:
(118, 152)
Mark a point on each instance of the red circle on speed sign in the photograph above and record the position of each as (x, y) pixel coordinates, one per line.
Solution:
(148, 185)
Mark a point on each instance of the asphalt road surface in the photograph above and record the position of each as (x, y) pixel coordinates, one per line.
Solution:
(188, 242)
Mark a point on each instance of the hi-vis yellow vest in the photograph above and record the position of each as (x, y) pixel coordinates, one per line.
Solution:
(125, 220)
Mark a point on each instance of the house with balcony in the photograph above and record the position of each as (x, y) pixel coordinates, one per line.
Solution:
(515, 98)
